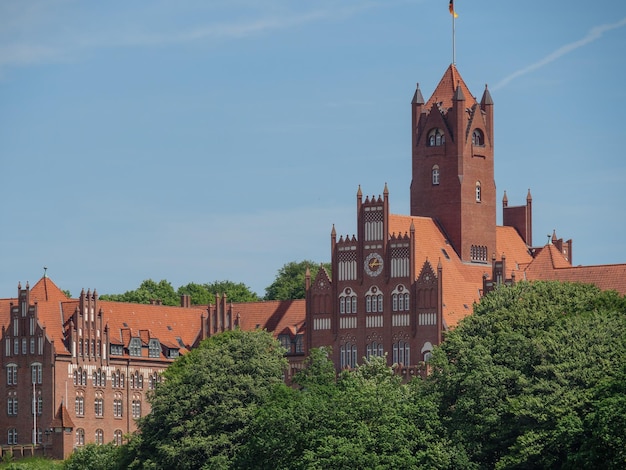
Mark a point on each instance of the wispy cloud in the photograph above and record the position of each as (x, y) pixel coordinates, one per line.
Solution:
(594, 34)
(71, 44)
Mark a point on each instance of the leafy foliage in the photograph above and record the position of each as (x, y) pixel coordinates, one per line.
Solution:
(204, 294)
(94, 457)
(289, 283)
(363, 419)
(148, 290)
(202, 410)
(517, 379)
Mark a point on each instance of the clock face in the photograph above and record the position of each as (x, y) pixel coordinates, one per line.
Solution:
(373, 264)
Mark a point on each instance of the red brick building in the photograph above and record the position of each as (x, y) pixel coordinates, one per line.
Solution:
(78, 370)
(402, 280)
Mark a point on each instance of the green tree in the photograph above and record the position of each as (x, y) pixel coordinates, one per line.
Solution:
(94, 457)
(364, 418)
(148, 290)
(516, 379)
(289, 283)
(202, 410)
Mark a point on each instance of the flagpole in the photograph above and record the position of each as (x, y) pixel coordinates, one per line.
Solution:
(453, 40)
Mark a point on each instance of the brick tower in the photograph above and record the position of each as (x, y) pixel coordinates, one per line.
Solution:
(453, 168)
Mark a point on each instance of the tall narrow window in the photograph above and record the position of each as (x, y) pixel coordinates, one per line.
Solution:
(435, 175)
(478, 192)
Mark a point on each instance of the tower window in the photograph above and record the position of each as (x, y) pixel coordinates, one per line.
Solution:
(436, 138)
(435, 175)
(478, 138)
(478, 192)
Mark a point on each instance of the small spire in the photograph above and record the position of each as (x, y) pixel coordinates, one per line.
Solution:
(417, 97)
(529, 198)
(458, 94)
(359, 193)
(486, 99)
(386, 190)
(45, 269)
(505, 200)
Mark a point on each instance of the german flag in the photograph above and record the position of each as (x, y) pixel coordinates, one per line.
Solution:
(451, 8)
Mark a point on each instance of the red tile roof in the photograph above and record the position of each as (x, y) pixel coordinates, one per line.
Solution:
(446, 88)
(272, 315)
(550, 264)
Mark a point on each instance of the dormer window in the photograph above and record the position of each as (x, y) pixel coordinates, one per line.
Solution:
(116, 350)
(154, 348)
(436, 138)
(478, 138)
(285, 342)
(134, 347)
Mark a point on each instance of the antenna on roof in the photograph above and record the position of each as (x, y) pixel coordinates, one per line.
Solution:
(45, 268)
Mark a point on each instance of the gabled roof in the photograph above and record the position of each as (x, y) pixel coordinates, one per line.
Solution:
(446, 89)
(550, 264)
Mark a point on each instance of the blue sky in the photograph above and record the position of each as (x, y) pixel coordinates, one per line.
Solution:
(197, 141)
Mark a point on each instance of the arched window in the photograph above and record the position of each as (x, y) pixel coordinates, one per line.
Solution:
(80, 437)
(348, 355)
(402, 353)
(435, 175)
(436, 138)
(478, 137)
(400, 299)
(99, 437)
(347, 301)
(374, 349)
(478, 192)
(117, 437)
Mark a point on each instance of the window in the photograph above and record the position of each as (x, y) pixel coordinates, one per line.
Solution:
(436, 138)
(99, 437)
(24, 346)
(400, 299)
(435, 175)
(116, 350)
(478, 195)
(16, 346)
(154, 348)
(32, 345)
(136, 408)
(374, 349)
(12, 374)
(134, 347)
(35, 372)
(12, 406)
(299, 344)
(285, 342)
(348, 355)
(478, 137)
(118, 407)
(347, 301)
(99, 407)
(80, 437)
(38, 403)
(172, 353)
(374, 301)
(402, 353)
(79, 406)
(12, 436)
(117, 437)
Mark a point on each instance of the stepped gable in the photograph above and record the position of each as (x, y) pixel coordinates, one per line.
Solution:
(51, 314)
(447, 88)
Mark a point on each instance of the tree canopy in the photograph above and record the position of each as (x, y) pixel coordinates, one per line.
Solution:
(522, 381)
(204, 294)
(202, 409)
(289, 283)
(148, 290)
